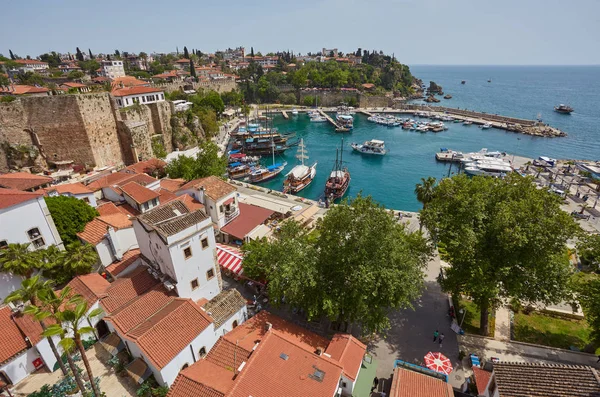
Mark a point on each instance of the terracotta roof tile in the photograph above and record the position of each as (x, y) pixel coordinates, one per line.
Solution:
(13, 341)
(108, 180)
(250, 217)
(91, 287)
(166, 333)
(126, 289)
(128, 210)
(21, 89)
(135, 91)
(10, 197)
(227, 354)
(224, 305)
(147, 167)
(166, 196)
(139, 193)
(171, 218)
(29, 326)
(73, 188)
(191, 203)
(108, 209)
(96, 229)
(214, 187)
(407, 383)
(128, 259)
(203, 379)
(172, 185)
(482, 378)
(349, 351)
(23, 180)
(127, 81)
(72, 84)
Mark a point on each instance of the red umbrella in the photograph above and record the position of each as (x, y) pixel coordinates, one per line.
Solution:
(438, 362)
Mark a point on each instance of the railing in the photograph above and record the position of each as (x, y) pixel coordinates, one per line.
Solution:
(229, 217)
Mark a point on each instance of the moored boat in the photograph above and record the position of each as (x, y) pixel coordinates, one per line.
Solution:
(373, 146)
(486, 126)
(339, 179)
(301, 175)
(564, 109)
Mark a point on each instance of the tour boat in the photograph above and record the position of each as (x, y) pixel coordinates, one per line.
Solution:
(345, 120)
(564, 109)
(467, 122)
(301, 175)
(295, 112)
(339, 180)
(263, 174)
(488, 168)
(238, 170)
(373, 146)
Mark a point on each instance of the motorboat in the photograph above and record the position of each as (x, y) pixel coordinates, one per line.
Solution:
(564, 109)
(318, 119)
(295, 112)
(486, 126)
(467, 122)
(373, 146)
(301, 175)
(488, 168)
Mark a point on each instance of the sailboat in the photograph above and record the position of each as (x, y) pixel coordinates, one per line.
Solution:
(339, 180)
(301, 175)
(263, 174)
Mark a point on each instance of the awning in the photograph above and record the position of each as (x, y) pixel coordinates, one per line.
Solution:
(230, 258)
(112, 343)
(228, 201)
(138, 370)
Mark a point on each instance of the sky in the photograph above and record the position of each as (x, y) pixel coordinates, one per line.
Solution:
(442, 32)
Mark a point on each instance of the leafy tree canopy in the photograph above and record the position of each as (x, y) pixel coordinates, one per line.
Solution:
(362, 264)
(70, 216)
(504, 239)
(207, 162)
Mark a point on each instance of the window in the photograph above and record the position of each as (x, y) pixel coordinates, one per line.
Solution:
(194, 284)
(187, 252)
(3, 244)
(86, 200)
(162, 96)
(221, 208)
(234, 324)
(210, 274)
(36, 237)
(119, 102)
(202, 351)
(204, 243)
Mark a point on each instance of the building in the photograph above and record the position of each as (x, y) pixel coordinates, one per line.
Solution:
(248, 225)
(182, 64)
(410, 383)
(142, 95)
(24, 181)
(25, 219)
(263, 61)
(532, 379)
(78, 87)
(270, 356)
(32, 65)
(77, 190)
(21, 89)
(112, 69)
(329, 52)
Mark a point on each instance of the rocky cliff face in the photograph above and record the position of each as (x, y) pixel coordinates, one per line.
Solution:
(187, 131)
(434, 88)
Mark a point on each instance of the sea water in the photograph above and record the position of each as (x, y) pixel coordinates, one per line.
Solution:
(524, 92)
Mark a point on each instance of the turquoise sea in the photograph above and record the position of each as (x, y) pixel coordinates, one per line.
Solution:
(514, 91)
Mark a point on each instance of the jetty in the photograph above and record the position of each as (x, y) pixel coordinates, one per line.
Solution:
(363, 111)
(284, 114)
(331, 120)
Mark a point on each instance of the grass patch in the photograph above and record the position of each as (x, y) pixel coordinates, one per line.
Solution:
(547, 330)
(472, 319)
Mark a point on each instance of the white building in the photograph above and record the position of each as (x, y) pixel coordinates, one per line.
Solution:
(144, 95)
(32, 65)
(112, 69)
(24, 219)
(77, 190)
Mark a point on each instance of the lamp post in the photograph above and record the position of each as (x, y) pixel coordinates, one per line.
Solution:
(464, 313)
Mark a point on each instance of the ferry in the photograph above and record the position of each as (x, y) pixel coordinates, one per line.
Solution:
(564, 109)
(301, 175)
(373, 146)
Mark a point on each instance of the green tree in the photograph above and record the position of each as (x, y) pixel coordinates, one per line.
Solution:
(504, 239)
(75, 74)
(79, 55)
(12, 56)
(91, 55)
(424, 192)
(89, 66)
(19, 260)
(186, 54)
(4, 81)
(211, 100)
(30, 288)
(192, 69)
(30, 78)
(588, 295)
(588, 249)
(207, 162)
(70, 216)
(363, 264)
(78, 259)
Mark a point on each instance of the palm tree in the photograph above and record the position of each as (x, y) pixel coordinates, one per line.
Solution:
(51, 304)
(80, 258)
(19, 260)
(69, 327)
(29, 290)
(424, 192)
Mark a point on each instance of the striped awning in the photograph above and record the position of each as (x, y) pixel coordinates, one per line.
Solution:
(230, 258)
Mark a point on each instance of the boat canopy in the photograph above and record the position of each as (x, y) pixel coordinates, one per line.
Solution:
(235, 152)
(235, 164)
(274, 166)
(236, 155)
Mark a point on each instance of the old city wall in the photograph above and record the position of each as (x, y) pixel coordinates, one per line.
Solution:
(329, 98)
(220, 86)
(13, 126)
(375, 101)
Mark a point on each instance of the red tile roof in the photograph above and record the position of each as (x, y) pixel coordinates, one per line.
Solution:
(23, 180)
(108, 180)
(96, 229)
(349, 351)
(108, 208)
(250, 217)
(73, 188)
(166, 195)
(482, 378)
(91, 287)
(20, 89)
(29, 326)
(139, 193)
(30, 62)
(194, 381)
(172, 185)
(127, 81)
(165, 334)
(10, 197)
(214, 187)
(135, 91)
(191, 203)
(299, 373)
(228, 354)
(128, 259)
(72, 84)
(127, 288)
(147, 166)
(407, 383)
(13, 341)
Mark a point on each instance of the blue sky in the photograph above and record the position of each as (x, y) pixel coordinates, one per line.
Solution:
(513, 32)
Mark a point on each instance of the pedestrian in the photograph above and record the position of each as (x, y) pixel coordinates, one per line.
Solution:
(375, 383)
(435, 335)
(441, 339)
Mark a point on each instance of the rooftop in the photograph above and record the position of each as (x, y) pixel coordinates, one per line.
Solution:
(91, 287)
(214, 187)
(23, 180)
(22, 89)
(73, 188)
(224, 305)
(137, 90)
(349, 351)
(250, 217)
(96, 229)
(139, 193)
(171, 218)
(407, 383)
(127, 260)
(172, 185)
(10, 197)
(146, 167)
(13, 342)
(125, 289)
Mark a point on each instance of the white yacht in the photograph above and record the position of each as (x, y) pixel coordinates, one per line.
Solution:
(486, 126)
(318, 119)
(373, 146)
(295, 111)
(488, 168)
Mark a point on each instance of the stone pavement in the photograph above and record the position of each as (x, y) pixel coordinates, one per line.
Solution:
(502, 331)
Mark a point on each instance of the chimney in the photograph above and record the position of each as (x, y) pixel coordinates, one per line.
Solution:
(268, 326)
(319, 351)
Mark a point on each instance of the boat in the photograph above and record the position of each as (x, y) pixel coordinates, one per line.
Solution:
(239, 170)
(486, 126)
(488, 168)
(463, 82)
(295, 111)
(448, 155)
(263, 174)
(467, 122)
(339, 179)
(373, 146)
(489, 80)
(318, 119)
(301, 175)
(564, 109)
(342, 129)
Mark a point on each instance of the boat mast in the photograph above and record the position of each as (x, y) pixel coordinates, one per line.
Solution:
(342, 153)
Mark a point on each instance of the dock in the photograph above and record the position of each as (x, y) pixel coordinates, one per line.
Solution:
(363, 111)
(284, 114)
(332, 121)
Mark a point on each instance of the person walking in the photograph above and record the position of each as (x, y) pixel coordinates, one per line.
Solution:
(441, 339)
(435, 335)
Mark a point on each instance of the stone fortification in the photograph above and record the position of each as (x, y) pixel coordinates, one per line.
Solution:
(220, 86)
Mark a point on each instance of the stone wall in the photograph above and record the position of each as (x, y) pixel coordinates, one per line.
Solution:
(220, 86)
(329, 98)
(375, 101)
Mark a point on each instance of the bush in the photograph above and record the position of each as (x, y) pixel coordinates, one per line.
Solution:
(70, 216)
(7, 98)
(308, 101)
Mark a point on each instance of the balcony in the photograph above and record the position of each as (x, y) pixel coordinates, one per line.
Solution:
(231, 214)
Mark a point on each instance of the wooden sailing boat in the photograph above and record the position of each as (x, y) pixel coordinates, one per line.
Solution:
(263, 174)
(301, 175)
(339, 180)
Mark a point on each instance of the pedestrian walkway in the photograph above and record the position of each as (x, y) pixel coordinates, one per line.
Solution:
(502, 330)
(487, 348)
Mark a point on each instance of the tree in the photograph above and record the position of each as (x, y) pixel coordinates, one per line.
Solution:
(504, 239)
(12, 56)
(208, 120)
(212, 100)
(19, 260)
(75, 74)
(588, 249)
(52, 59)
(4, 81)
(30, 78)
(587, 293)
(424, 192)
(207, 162)
(62, 266)
(70, 216)
(251, 52)
(362, 264)
(117, 54)
(186, 54)
(28, 292)
(192, 70)
(91, 55)
(79, 55)
(90, 66)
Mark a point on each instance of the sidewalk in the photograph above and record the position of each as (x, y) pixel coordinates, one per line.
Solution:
(502, 331)
(487, 348)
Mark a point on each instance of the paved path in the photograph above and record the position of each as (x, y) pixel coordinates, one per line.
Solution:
(502, 331)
